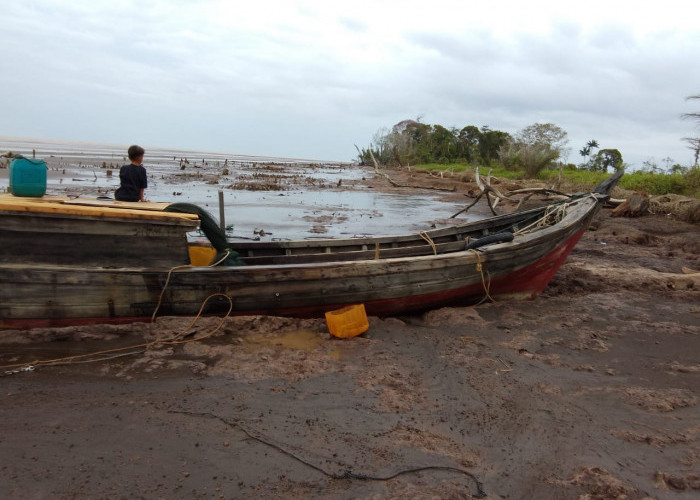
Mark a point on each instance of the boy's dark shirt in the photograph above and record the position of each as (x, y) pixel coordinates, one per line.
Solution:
(133, 180)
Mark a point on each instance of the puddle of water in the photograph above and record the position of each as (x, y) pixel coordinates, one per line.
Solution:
(301, 340)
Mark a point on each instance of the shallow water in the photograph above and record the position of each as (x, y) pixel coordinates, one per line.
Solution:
(284, 197)
(303, 340)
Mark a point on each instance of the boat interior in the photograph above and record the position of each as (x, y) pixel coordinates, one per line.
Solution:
(95, 232)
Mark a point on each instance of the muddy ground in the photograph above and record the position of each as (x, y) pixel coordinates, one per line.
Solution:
(588, 392)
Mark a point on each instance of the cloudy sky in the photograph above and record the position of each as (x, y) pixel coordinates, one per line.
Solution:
(311, 79)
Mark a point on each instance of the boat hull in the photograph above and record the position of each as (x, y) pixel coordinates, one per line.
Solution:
(52, 295)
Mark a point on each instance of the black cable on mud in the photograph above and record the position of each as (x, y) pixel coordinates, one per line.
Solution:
(347, 474)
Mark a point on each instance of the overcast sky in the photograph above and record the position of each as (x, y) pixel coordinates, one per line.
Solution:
(311, 79)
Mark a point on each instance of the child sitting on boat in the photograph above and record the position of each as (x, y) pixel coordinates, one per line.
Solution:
(133, 177)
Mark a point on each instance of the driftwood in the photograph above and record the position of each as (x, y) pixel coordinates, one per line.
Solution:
(396, 184)
(615, 201)
(538, 191)
(494, 196)
(486, 190)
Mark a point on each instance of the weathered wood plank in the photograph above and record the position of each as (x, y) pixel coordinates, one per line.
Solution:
(95, 208)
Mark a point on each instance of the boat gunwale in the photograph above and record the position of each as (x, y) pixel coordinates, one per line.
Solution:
(523, 240)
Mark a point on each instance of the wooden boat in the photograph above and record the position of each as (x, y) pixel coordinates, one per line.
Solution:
(65, 262)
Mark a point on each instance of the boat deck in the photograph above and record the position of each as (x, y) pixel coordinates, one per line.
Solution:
(91, 207)
(91, 232)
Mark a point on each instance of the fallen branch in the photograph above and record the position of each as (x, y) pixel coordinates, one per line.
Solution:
(470, 206)
(494, 196)
(538, 191)
(396, 184)
(486, 190)
(523, 200)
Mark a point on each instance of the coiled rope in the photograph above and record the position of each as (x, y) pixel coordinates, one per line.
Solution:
(554, 214)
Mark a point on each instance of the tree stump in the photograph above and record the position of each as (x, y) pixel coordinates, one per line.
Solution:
(635, 206)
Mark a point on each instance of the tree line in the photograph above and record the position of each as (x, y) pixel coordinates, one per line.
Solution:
(536, 147)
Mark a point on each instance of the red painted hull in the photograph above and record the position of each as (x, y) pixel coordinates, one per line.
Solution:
(308, 279)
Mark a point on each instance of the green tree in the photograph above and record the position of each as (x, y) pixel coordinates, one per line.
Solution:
(491, 142)
(544, 134)
(607, 158)
(409, 142)
(535, 148)
(468, 143)
(586, 151)
(442, 144)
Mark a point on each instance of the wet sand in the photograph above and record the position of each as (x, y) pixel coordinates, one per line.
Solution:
(590, 392)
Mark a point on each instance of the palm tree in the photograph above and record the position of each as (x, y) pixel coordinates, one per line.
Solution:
(588, 149)
(585, 151)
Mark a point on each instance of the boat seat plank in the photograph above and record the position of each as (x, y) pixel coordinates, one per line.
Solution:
(147, 205)
(65, 206)
(413, 251)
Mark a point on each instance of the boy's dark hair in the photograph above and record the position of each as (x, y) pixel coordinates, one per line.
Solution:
(135, 152)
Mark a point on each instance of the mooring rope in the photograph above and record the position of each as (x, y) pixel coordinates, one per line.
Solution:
(170, 272)
(486, 284)
(426, 237)
(177, 340)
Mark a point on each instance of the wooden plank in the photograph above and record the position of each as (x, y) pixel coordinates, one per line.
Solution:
(131, 205)
(60, 205)
(308, 258)
(72, 200)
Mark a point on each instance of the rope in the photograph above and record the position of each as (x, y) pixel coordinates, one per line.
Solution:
(177, 340)
(162, 291)
(428, 240)
(554, 214)
(484, 283)
(167, 281)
